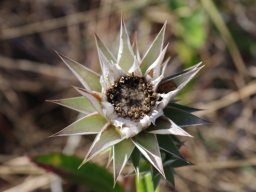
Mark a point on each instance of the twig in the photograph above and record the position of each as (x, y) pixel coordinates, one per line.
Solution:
(12, 170)
(221, 164)
(211, 9)
(40, 68)
(229, 99)
(46, 25)
(32, 184)
(68, 20)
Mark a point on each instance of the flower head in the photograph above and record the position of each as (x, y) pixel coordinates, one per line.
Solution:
(130, 106)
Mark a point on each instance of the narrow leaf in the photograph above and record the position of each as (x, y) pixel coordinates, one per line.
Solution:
(90, 124)
(156, 81)
(176, 163)
(183, 118)
(125, 53)
(135, 158)
(177, 83)
(157, 64)
(184, 71)
(88, 78)
(136, 47)
(166, 144)
(80, 104)
(156, 177)
(105, 139)
(164, 126)
(181, 79)
(148, 146)
(110, 70)
(93, 97)
(94, 177)
(169, 175)
(154, 50)
(121, 153)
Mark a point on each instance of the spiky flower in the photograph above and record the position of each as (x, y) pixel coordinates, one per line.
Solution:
(130, 106)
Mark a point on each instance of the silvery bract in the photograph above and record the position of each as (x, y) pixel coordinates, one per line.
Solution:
(130, 105)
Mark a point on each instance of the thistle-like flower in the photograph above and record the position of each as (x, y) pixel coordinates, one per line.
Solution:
(130, 106)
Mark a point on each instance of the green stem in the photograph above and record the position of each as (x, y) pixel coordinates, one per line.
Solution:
(144, 183)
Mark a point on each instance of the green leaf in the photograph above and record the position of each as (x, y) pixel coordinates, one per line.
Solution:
(105, 139)
(156, 177)
(166, 126)
(121, 154)
(88, 78)
(182, 78)
(125, 53)
(93, 97)
(90, 124)
(80, 104)
(182, 118)
(135, 158)
(154, 50)
(176, 141)
(157, 65)
(94, 177)
(148, 145)
(184, 72)
(166, 143)
(194, 31)
(176, 163)
(109, 71)
(169, 175)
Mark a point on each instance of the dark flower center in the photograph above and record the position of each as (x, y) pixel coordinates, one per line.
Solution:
(132, 97)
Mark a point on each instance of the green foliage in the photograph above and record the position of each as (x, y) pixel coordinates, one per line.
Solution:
(190, 29)
(183, 118)
(175, 4)
(186, 53)
(96, 178)
(193, 29)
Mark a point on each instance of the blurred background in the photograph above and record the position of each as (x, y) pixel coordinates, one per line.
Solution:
(221, 34)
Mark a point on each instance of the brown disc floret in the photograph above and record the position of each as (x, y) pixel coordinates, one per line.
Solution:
(132, 97)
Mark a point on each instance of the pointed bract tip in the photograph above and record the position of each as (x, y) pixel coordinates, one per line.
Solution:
(164, 26)
(122, 18)
(56, 101)
(96, 38)
(52, 100)
(58, 54)
(199, 65)
(83, 162)
(64, 58)
(55, 51)
(54, 135)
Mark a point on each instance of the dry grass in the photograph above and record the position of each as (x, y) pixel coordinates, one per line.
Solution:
(223, 152)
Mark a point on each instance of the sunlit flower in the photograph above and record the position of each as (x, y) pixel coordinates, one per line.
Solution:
(130, 105)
